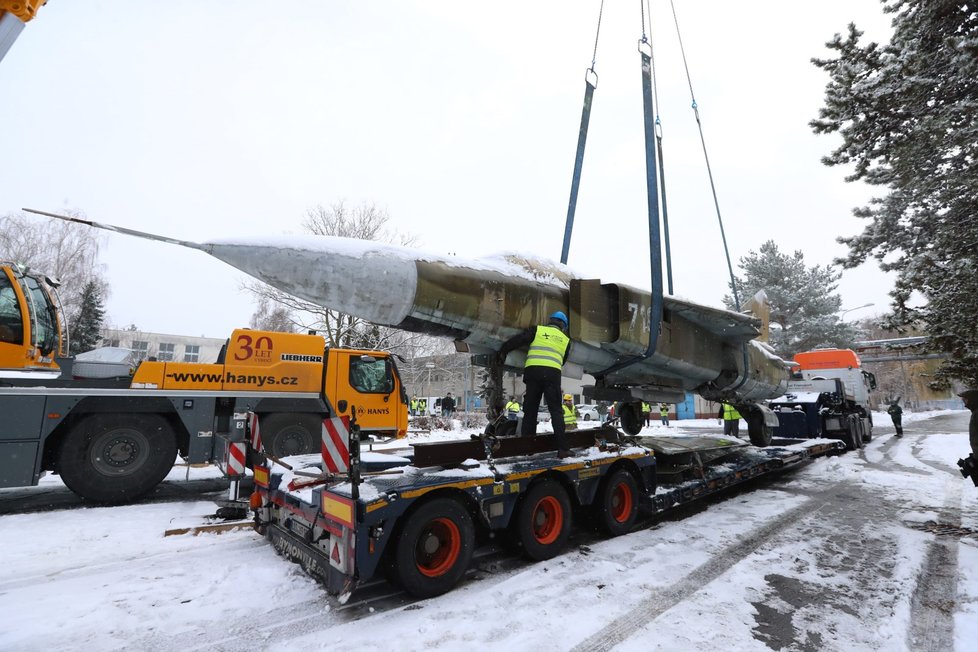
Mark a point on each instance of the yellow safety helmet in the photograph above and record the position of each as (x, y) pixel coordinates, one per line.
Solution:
(568, 397)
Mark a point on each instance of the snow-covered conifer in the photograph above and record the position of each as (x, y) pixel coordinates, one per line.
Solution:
(907, 114)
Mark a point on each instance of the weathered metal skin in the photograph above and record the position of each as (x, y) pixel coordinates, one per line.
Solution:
(484, 302)
(698, 349)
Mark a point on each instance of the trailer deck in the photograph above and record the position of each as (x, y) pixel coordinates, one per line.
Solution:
(345, 529)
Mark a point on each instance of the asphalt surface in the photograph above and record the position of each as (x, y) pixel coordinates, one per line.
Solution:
(844, 536)
(24, 500)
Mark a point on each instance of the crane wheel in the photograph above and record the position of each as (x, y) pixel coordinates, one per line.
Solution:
(616, 506)
(287, 433)
(434, 548)
(116, 458)
(543, 520)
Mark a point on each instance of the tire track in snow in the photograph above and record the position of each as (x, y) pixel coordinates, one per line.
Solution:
(121, 563)
(933, 602)
(655, 605)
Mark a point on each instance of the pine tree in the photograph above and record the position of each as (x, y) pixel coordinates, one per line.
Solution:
(907, 113)
(804, 305)
(86, 327)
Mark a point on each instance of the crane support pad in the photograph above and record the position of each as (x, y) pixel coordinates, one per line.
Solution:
(450, 453)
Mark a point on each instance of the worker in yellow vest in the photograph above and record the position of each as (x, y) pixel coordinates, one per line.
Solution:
(730, 418)
(549, 346)
(512, 409)
(646, 413)
(570, 412)
(664, 413)
(414, 406)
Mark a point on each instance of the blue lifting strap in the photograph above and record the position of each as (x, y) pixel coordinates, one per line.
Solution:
(579, 160)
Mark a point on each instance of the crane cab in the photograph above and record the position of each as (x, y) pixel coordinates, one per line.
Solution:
(31, 334)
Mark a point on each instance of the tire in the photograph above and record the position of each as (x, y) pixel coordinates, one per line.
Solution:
(760, 433)
(434, 548)
(116, 458)
(867, 432)
(630, 416)
(850, 436)
(543, 520)
(616, 506)
(287, 434)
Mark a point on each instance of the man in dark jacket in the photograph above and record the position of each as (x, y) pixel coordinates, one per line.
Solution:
(969, 465)
(448, 406)
(971, 402)
(549, 346)
(896, 416)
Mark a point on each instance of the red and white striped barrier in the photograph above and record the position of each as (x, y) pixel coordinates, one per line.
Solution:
(255, 431)
(336, 444)
(236, 458)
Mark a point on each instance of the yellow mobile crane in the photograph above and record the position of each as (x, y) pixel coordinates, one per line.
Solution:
(14, 14)
(31, 330)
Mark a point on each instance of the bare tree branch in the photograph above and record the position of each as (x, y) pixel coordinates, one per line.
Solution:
(363, 222)
(59, 249)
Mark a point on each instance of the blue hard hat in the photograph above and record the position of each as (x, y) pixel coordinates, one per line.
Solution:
(560, 316)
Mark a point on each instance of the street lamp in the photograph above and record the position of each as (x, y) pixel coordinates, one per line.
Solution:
(865, 305)
(429, 366)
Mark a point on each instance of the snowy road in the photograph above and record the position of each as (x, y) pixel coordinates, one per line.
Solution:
(835, 556)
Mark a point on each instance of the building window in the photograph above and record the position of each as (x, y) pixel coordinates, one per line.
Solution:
(191, 353)
(167, 350)
(140, 350)
(108, 342)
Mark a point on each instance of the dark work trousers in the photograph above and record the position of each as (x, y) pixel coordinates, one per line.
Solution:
(973, 431)
(731, 427)
(545, 382)
(897, 423)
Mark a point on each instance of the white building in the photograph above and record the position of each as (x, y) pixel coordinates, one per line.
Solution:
(164, 347)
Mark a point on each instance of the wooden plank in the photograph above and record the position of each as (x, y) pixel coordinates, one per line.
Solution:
(451, 453)
(216, 527)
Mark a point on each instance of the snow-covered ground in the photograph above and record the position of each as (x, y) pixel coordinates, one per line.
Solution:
(825, 558)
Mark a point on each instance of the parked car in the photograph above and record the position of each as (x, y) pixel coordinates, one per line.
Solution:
(586, 412)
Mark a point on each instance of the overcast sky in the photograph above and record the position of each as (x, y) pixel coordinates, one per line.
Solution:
(204, 120)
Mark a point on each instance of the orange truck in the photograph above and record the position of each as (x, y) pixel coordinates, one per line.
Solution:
(827, 396)
(114, 442)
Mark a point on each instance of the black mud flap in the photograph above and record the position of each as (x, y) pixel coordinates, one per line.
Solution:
(313, 561)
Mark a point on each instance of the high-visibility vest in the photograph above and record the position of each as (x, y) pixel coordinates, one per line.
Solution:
(570, 417)
(730, 413)
(645, 407)
(664, 410)
(547, 348)
(512, 407)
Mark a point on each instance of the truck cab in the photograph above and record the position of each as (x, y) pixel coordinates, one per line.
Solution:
(827, 396)
(347, 382)
(30, 327)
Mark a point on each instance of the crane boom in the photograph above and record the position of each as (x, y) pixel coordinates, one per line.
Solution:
(14, 14)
